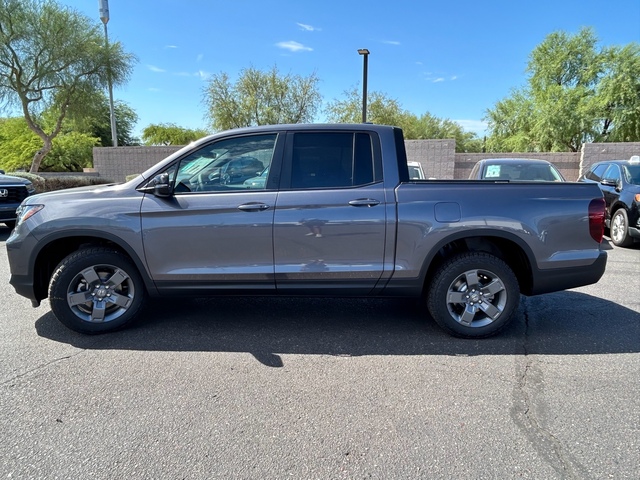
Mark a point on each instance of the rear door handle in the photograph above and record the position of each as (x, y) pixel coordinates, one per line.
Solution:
(253, 207)
(364, 202)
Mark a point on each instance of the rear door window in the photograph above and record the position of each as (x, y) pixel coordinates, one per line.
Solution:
(333, 160)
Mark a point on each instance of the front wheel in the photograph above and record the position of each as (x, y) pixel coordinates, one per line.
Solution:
(620, 229)
(473, 295)
(96, 290)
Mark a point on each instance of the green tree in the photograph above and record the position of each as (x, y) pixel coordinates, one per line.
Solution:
(576, 92)
(17, 144)
(510, 123)
(170, 134)
(92, 116)
(50, 57)
(618, 95)
(71, 151)
(383, 110)
(261, 98)
(428, 126)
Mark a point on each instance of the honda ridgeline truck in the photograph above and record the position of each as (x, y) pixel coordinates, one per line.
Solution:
(334, 214)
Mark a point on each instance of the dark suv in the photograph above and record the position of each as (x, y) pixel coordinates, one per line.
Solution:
(12, 191)
(619, 181)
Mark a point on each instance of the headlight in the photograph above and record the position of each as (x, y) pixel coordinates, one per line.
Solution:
(25, 212)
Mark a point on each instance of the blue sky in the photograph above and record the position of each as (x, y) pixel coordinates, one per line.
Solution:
(453, 59)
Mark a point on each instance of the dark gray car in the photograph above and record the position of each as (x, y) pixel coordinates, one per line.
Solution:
(13, 190)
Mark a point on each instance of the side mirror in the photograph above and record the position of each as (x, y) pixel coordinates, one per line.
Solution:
(158, 186)
(1, 172)
(609, 182)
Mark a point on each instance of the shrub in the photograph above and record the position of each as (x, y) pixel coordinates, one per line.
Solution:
(37, 180)
(52, 183)
(64, 182)
(72, 151)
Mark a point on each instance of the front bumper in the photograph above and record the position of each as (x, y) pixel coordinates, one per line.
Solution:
(634, 232)
(21, 264)
(8, 212)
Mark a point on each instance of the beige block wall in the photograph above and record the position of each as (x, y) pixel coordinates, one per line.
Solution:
(597, 152)
(437, 157)
(115, 163)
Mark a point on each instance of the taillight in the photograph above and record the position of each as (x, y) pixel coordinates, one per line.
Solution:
(596, 219)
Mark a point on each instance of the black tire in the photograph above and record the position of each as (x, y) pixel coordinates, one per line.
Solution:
(473, 295)
(96, 290)
(619, 230)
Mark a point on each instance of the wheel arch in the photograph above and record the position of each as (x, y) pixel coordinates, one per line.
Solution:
(617, 206)
(509, 248)
(56, 247)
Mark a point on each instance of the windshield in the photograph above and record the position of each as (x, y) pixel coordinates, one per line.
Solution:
(211, 159)
(522, 172)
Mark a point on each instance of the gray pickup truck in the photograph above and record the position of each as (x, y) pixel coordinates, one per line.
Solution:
(305, 210)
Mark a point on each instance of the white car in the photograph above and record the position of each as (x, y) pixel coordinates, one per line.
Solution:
(415, 171)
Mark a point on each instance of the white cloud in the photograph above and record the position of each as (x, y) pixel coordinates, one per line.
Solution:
(202, 74)
(294, 46)
(153, 68)
(437, 77)
(199, 57)
(154, 89)
(308, 28)
(170, 46)
(391, 42)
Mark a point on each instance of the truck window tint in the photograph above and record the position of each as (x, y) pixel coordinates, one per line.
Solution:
(231, 164)
(331, 159)
(363, 160)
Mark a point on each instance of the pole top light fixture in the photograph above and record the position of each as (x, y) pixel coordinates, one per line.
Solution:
(363, 51)
(104, 10)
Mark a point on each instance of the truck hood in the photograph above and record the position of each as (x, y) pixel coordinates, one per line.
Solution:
(10, 180)
(78, 193)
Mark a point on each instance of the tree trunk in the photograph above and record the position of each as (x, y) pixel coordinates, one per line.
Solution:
(40, 154)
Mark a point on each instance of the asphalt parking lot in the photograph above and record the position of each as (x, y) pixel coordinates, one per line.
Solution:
(326, 389)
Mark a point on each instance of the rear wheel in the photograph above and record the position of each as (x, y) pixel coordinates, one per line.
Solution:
(620, 229)
(473, 295)
(96, 290)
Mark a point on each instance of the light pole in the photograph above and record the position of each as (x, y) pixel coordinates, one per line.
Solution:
(104, 16)
(364, 52)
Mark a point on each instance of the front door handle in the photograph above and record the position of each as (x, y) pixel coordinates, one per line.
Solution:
(364, 202)
(253, 207)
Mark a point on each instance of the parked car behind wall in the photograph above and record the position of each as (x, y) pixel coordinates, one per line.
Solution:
(516, 169)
